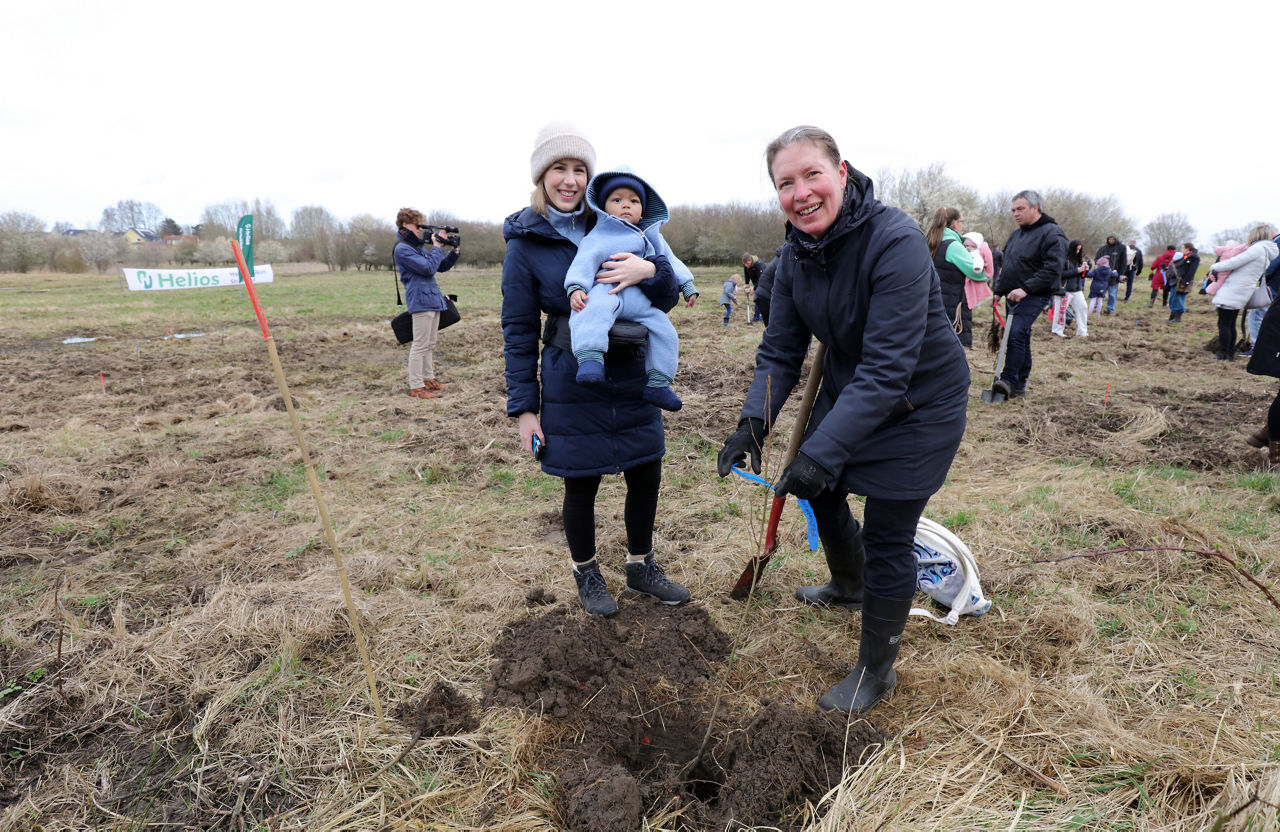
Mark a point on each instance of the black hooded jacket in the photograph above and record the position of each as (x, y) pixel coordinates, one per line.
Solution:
(1034, 258)
(890, 412)
(1117, 255)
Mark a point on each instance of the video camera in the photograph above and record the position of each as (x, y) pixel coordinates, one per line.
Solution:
(450, 236)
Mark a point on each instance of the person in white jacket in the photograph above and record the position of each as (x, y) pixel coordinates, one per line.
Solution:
(1246, 269)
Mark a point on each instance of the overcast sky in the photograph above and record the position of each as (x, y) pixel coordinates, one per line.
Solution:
(366, 107)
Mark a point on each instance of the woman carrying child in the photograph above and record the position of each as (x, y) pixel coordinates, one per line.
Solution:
(582, 432)
(1243, 271)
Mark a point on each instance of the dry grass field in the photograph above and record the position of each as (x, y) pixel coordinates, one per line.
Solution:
(175, 651)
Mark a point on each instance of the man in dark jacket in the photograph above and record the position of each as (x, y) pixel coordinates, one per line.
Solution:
(1034, 257)
(1118, 258)
(1135, 266)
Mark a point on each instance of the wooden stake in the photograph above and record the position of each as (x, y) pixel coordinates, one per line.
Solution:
(313, 482)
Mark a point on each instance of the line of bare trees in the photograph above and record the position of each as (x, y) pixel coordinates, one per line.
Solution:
(699, 235)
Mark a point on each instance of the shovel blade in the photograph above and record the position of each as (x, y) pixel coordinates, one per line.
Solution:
(993, 396)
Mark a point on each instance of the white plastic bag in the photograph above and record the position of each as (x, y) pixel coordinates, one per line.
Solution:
(947, 572)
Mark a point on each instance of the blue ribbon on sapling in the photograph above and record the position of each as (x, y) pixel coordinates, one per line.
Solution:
(810, 522)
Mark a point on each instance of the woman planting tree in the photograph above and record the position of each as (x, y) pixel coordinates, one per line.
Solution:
(857, 275)
(581, 433)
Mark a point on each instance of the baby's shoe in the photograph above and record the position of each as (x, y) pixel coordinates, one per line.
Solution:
(590, 373)
(661, 396)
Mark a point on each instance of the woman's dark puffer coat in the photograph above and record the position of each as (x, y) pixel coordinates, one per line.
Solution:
(589, 430)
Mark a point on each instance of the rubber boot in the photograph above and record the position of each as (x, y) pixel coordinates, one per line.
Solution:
(1273, 454)
(883, 620)
(844, 559)
(1261, 437)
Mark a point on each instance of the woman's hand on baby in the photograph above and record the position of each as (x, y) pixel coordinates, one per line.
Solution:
(578, 300)
(625, 269)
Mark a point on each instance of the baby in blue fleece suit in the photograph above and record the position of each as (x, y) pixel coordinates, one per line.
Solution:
(628, 215)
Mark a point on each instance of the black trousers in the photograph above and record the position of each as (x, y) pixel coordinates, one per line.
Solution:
(888, 537)
(638, 513)
(1227, 331)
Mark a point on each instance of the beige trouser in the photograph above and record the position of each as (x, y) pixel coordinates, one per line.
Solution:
(426, 325)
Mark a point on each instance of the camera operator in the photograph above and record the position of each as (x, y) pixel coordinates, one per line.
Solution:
(418, 265)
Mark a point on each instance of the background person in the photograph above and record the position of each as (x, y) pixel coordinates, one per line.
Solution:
(1245, 271)
(728, 298)
(1272, 279)
(418, 266)
(765, 290)
(1160, 276)
(955, 264)
(856, 275)
(1073, 284)
(752, 271)
(1134, 261)
(1035, 255)
(1118, 259)
(1184, 269)
(585, 432)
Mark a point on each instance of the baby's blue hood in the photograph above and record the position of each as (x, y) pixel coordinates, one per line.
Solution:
(655, 210)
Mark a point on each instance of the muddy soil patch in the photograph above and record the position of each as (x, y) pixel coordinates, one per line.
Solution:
(1148, 426)
(637, 691)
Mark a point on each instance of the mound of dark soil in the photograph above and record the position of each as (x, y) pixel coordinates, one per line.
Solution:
(637, 690)
(555, 662)
(442, 712)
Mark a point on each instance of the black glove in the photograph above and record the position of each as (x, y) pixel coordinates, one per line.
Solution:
(803, 477)
(747, 439)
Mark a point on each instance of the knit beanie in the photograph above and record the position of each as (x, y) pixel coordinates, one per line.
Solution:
(622, 180)
(559, 140)
(1104, 261)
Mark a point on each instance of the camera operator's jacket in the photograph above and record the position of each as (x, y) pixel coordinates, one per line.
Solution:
(613, 235)
(418, 265)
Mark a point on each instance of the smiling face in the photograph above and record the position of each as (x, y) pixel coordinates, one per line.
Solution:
(565, 182)
(625, 204)
(810, 186)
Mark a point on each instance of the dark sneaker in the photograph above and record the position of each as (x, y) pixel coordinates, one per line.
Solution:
(592, 591)
(648, 578)
(1002, 387)
(663, 397)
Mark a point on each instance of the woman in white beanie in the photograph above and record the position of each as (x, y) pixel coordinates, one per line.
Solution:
(580, 433)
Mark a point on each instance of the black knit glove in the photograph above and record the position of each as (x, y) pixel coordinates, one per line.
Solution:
(746, 440)
(803, 477)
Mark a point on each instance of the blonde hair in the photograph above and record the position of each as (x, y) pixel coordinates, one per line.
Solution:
(538, 199)
(1262, 232)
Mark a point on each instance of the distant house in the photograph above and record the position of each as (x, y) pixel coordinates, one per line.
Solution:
(174, 239)
(79, 232)
(138, 236)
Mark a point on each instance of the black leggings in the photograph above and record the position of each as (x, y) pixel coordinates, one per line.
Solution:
(1227, 331)
(579, 513)
(888, 537)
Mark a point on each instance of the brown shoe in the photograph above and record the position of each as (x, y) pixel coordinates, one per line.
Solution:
(1261, 438)
(432, 384)
(1273, 455)
(424, 393)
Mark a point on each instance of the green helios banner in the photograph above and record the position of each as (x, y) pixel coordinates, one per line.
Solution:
(244, 236)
